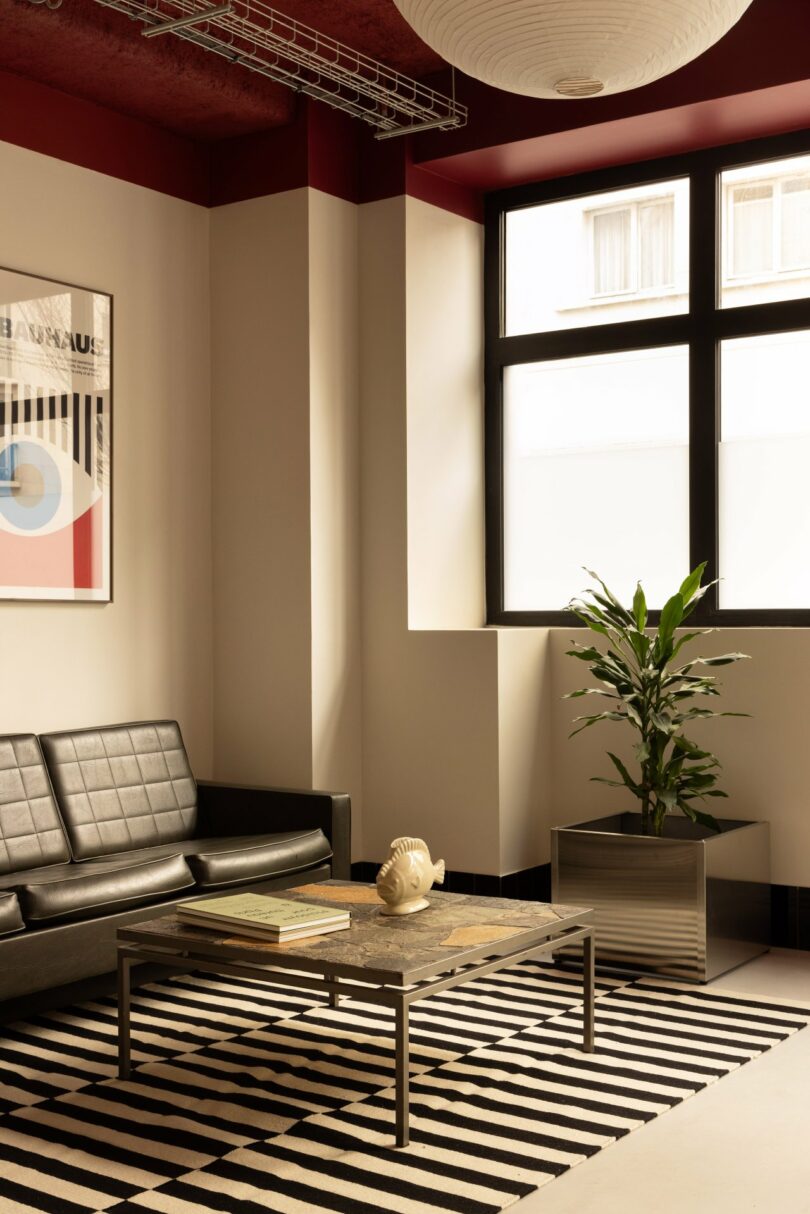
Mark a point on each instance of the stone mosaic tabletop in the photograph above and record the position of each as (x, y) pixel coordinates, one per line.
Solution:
(456, 929)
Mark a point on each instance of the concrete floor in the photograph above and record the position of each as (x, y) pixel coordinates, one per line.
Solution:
(741, 1145)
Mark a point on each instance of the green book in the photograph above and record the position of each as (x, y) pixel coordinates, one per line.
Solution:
(276, 916)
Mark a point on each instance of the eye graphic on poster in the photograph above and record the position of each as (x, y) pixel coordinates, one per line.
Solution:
(55, 432)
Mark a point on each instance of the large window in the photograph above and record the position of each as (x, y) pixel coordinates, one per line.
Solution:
(648, 385)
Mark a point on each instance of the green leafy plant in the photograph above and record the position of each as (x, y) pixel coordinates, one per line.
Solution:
(652, 690)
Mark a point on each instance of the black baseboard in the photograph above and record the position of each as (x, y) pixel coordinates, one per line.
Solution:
(790, 904)
(790, 916)
(532, 884)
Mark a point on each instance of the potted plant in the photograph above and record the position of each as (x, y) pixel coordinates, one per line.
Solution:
(675, 890)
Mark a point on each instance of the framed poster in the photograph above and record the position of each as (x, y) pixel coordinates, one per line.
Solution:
(55, 440)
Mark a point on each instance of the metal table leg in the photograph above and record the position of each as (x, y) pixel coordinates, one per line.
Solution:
(589, 985)
(124, 967)
(402, 1073)
(128, 955)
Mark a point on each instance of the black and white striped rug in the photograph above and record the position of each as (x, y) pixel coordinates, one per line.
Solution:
(250, 1099)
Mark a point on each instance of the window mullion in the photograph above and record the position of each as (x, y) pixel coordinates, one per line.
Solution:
(704, 386)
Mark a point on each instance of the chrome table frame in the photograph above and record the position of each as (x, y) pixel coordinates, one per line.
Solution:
(336, 986)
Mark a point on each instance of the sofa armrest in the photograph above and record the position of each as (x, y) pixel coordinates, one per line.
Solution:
(240, 809)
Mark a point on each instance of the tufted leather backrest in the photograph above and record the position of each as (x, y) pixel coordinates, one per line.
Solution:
(122, 786)
(31, 833)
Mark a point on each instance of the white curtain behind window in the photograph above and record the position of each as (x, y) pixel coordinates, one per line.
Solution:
(656, 244)
(753, 230)
(611, 252)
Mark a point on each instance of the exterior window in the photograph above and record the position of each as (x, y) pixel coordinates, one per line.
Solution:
(595, 259)
(770, 227)
(645, 369)
(633, 248)
(766, 232)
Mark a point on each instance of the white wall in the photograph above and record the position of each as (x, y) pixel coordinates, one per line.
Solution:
(147, 654)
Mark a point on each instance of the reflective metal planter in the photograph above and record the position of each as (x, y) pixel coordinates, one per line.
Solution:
(691, 905)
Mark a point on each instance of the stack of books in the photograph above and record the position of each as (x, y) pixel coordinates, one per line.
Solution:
(273, 919)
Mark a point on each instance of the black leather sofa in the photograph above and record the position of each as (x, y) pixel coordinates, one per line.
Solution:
(103, 827)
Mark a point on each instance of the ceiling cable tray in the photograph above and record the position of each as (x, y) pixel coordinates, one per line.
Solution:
(250, 34)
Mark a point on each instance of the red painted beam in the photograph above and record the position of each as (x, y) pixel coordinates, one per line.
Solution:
(45, 120)
(626, 140)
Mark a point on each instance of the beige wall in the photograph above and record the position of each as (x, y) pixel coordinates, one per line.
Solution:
(465, 731)
(445, 419)
(335, 499)
(286, 493)
(430, 673)
(337, 638)
(148, 653)
(525, 761)
(429, 698)
(261, 486)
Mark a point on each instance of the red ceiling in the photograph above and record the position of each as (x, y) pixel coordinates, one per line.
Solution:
(97, 54)
(166, 114)
(767, 47)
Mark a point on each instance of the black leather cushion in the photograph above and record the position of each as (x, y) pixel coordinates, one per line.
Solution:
(31, 833)
(11, 919)
(122, 787)
(101, 889)
(220, 862)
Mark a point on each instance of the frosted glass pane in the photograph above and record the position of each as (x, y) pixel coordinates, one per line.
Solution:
(765, 227)
(764, 458)
(606, 257)
(596, 474)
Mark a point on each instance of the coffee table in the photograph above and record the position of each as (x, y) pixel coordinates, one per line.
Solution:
(398, 960)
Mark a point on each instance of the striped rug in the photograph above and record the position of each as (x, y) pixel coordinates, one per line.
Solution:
(250, 1099)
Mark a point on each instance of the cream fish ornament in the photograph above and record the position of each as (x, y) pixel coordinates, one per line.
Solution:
(406, 877)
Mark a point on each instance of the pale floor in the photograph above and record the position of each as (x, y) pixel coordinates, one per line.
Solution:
(741, 1145)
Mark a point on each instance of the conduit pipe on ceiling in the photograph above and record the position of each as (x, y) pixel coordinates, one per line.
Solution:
(252, 35)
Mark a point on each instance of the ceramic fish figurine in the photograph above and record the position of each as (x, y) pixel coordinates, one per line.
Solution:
(406, 877)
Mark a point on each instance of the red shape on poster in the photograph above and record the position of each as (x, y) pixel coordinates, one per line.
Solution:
(66, 559)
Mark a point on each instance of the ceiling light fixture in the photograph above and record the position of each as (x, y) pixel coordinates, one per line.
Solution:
(570, 48)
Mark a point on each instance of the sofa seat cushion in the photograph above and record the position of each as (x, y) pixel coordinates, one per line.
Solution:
(92, 890)
(11, 919)
(217, 863)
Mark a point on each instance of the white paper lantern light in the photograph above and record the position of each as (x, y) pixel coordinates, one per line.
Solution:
(570, 48)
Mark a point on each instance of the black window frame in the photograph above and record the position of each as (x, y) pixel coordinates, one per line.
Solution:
(702, 328)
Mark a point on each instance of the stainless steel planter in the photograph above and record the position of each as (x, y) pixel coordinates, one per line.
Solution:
(691, 905)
